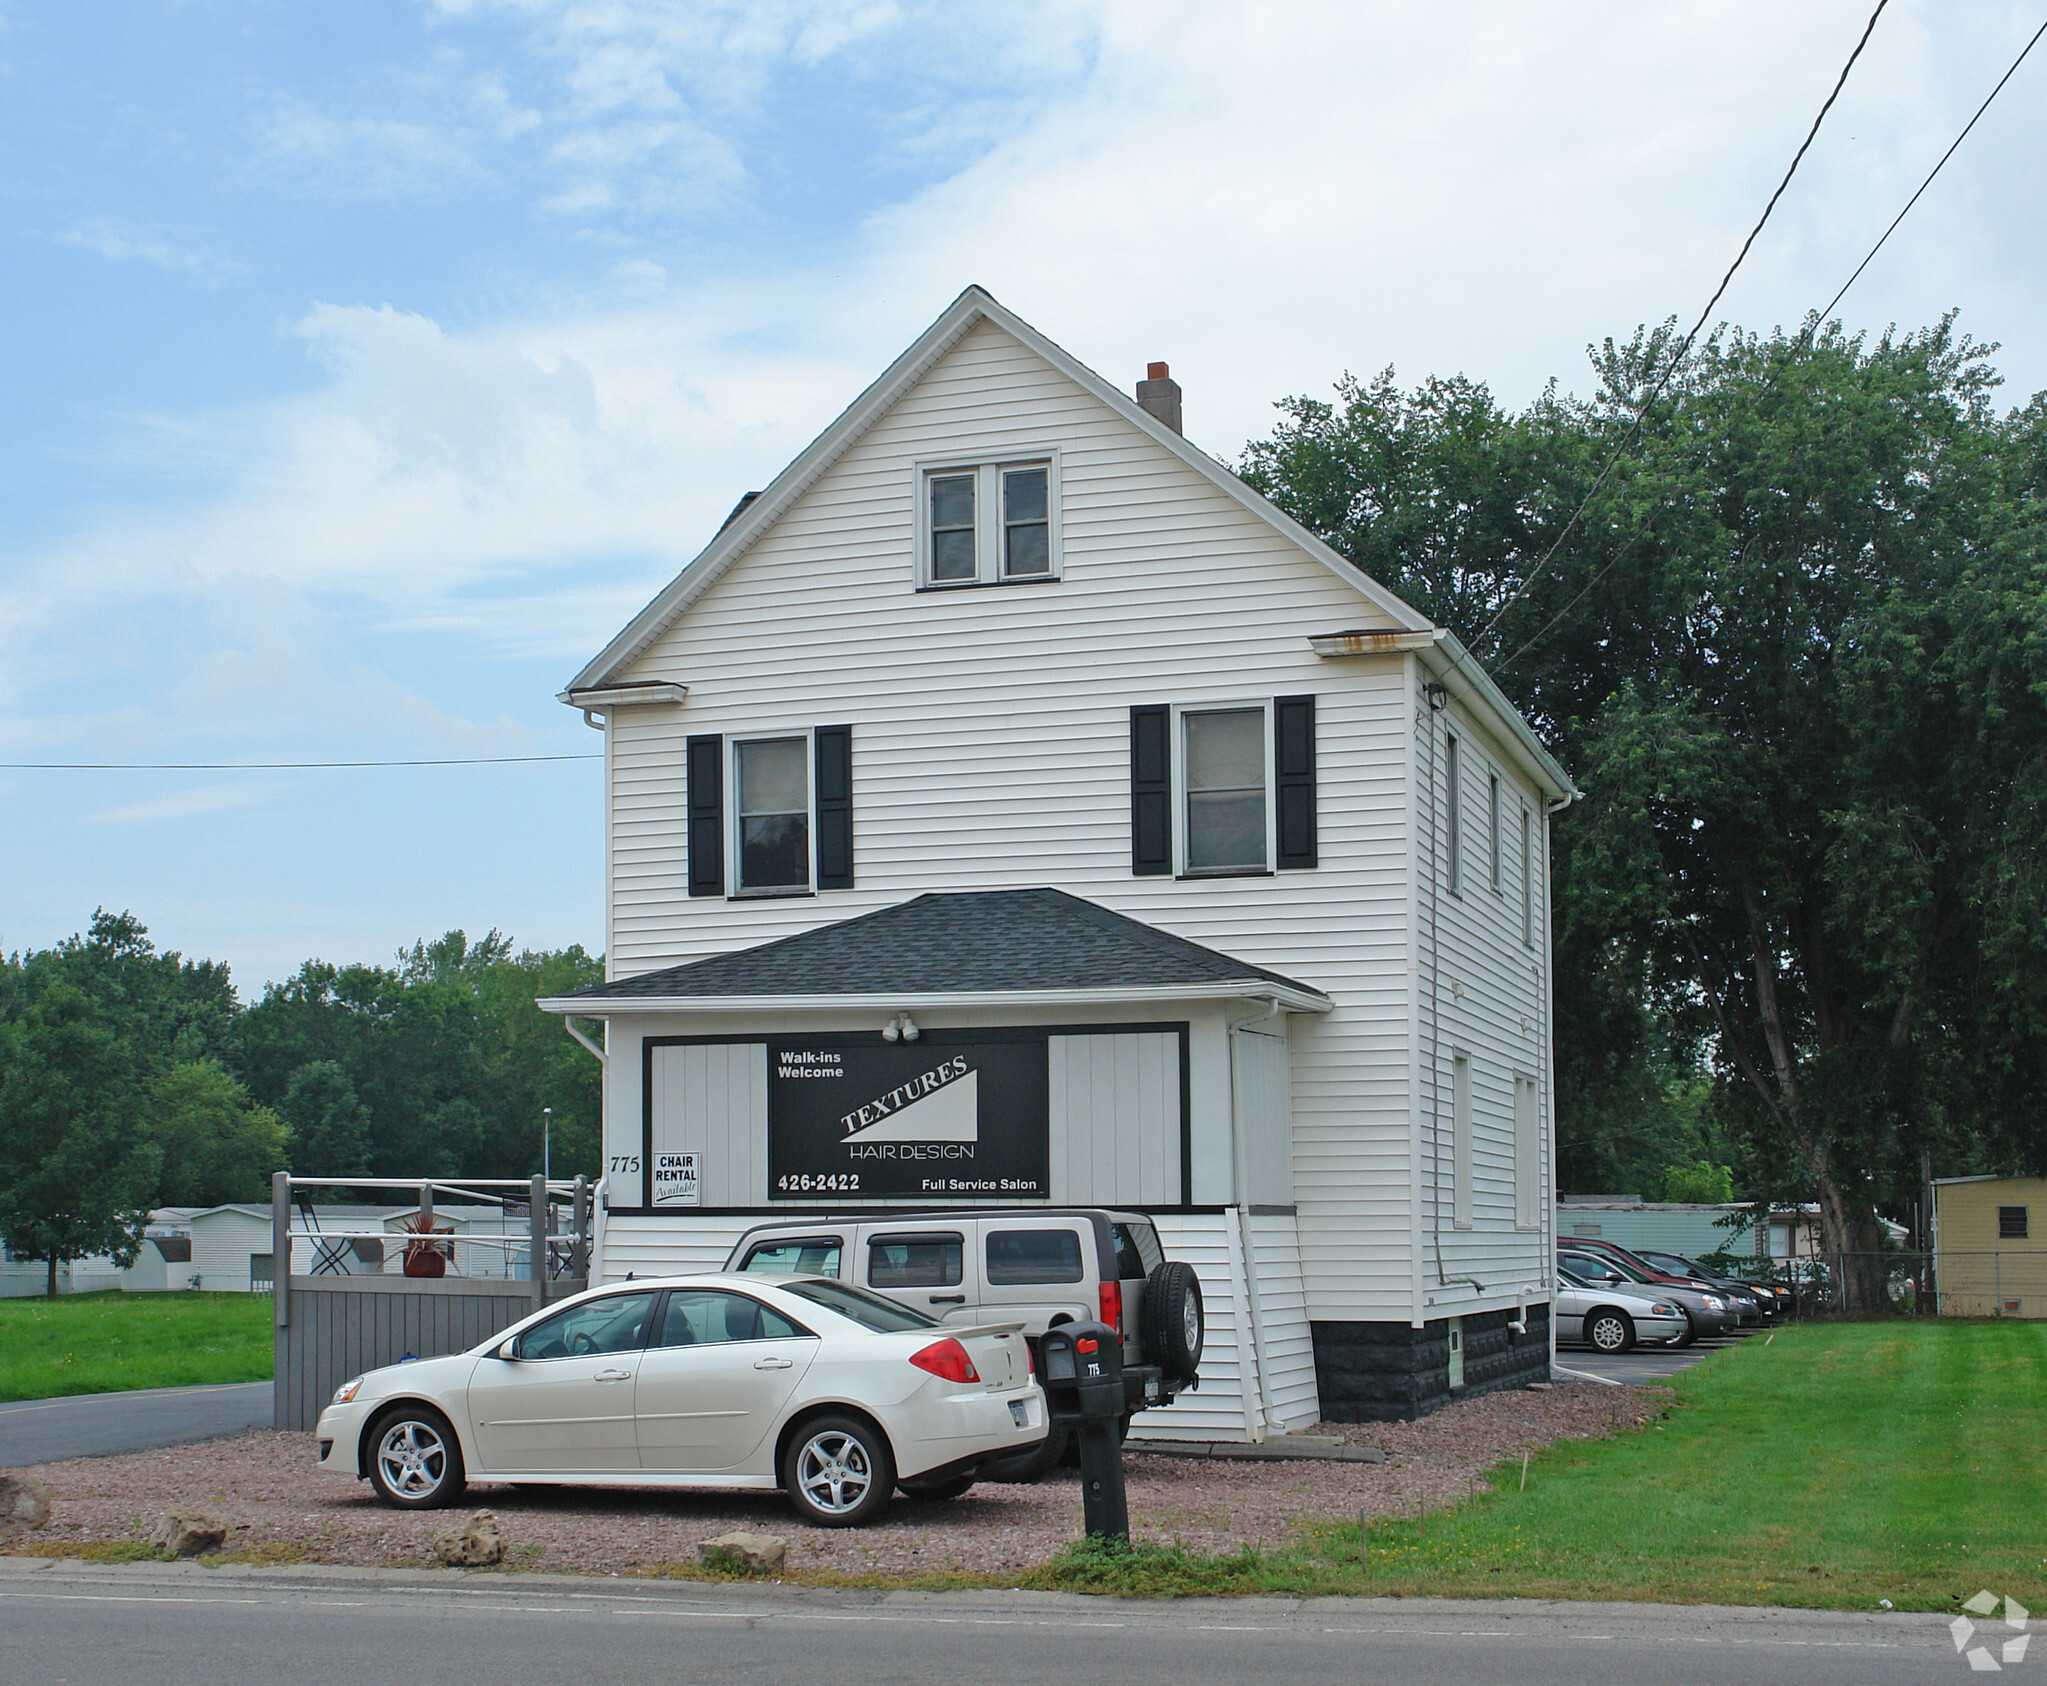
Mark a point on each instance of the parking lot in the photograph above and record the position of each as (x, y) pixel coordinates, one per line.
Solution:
(1645, 1363)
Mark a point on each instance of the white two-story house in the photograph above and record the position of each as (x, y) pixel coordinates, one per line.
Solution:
(1011, 806)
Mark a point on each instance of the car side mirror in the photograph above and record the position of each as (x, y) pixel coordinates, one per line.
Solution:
(509, 1350)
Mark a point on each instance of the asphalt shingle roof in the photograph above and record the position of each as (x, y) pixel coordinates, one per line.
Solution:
(973, 942)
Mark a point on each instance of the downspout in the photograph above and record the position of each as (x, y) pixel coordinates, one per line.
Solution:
(1261, 1371)
(603, 1058)
(599, 1196)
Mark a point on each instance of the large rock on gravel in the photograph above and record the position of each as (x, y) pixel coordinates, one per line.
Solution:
(187, 1533)
(24, 1504)
(758, 1554)
(477, 1544)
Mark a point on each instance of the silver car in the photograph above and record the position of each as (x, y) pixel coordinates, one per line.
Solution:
(1611, 1319)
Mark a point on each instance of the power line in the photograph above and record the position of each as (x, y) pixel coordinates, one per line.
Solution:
(1812, 327)
(1928, 182)
(271, 766)
(1684, 350)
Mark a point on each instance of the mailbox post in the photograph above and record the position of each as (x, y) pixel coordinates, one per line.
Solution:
(1083, 1380)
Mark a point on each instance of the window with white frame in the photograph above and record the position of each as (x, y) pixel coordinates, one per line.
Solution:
(1453, 823)
(771, 808)
(1527, 881)
(1493, 831)
(988, 523)
(1225, 771)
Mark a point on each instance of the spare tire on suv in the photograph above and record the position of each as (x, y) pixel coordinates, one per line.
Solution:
(1172, 1320)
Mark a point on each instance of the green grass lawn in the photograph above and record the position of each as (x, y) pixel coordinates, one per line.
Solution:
(1836, 1466)
(107, 1343)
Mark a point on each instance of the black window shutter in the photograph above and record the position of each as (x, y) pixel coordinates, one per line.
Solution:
(704, 765)
(1293, 762)
(1151, 790)
(834, 807)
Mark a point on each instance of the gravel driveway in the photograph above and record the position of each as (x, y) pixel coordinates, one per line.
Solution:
(263, 1484)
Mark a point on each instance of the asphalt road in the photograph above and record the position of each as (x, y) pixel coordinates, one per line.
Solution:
(1648, 1363)
(68, 1624)
(99, 1425)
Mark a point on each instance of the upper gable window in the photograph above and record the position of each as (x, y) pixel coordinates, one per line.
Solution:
(988, 524)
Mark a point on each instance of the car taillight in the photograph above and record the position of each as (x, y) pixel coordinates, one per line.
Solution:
(948, 1360)
(1112, 1305)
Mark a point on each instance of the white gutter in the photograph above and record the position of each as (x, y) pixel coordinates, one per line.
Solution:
(603, 1006)
(1450, 663)
(603, 1058)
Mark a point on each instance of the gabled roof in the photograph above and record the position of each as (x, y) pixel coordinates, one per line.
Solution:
(972, 307)
(951, 948)
(758, 511)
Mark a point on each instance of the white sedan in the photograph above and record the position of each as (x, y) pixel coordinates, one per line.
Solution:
(1611, 1319)
(835, 1395)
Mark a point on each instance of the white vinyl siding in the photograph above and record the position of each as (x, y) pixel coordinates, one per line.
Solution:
(1007, 711)
(1481, 994)
(1531, 1188)
(1115, 1124)
(711, 1099)
(1460, 1138)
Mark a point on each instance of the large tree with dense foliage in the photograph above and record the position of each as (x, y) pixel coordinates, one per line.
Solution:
(1795, 652)
(77, 1173)
(445, 1054)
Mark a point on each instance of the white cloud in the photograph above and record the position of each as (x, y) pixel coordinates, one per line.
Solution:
(1265, 198)
(187, 804)
(369, 156)
(127, 244)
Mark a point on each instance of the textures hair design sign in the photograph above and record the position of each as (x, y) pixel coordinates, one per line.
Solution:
(947, 1117)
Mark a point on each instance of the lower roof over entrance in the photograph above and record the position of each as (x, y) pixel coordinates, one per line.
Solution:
(973, 948)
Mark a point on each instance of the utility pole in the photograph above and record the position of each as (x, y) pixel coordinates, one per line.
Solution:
(547, 1142)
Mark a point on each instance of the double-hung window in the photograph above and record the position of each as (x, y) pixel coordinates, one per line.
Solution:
(770, 814)
(771, 799)
(1225, 779)
(993, 523)
(1527, 883)
(1223, 787)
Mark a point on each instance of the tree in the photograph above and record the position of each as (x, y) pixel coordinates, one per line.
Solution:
(1795, 651)
(1820, 794)
(330, 1127)
(76, 1174)
(216, 1144)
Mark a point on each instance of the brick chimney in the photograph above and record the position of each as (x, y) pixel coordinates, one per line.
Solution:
(1158, 395)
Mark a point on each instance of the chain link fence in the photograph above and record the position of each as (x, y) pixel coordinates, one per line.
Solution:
(2011, 1283)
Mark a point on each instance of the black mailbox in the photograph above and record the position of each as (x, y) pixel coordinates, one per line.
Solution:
(1082, 1370)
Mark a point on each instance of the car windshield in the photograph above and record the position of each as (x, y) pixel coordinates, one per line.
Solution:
(1603, 1267)
(870, 1311)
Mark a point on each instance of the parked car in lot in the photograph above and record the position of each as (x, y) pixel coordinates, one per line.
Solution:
(1040, 1267)
(1608, 1319)
(1767, 1301)
(1706, 1313)
(835, 1395)
(1742, 1305)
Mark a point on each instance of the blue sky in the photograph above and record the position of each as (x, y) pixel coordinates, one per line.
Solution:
(370, 365)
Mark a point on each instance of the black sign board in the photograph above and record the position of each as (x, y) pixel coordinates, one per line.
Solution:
(947, 1117)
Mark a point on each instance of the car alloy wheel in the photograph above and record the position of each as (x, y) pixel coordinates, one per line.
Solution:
(415, 1462)
(1611, 1331)
(839, 1472)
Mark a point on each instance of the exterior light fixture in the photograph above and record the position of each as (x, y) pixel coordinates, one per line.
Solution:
(901, 1028)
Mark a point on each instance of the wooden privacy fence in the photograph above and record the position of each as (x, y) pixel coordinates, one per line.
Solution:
(330, 1327)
